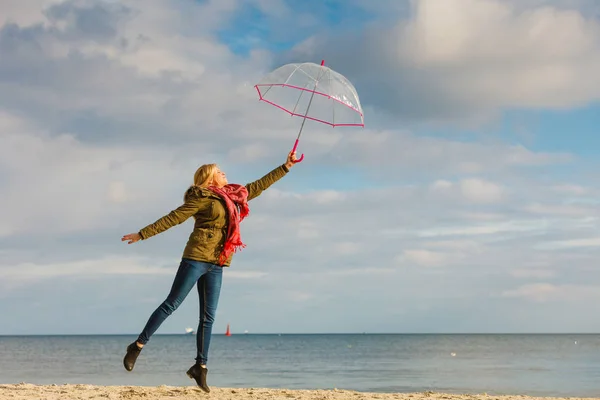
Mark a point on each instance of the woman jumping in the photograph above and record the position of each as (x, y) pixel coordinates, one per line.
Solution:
(218, 208)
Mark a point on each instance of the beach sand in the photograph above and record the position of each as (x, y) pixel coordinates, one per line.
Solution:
(24, 391)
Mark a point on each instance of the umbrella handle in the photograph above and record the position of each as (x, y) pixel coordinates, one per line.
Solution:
(294, 149)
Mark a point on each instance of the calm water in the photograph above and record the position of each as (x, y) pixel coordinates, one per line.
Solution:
(558, 365)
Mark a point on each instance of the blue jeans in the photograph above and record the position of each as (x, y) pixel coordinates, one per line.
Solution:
(208, 278)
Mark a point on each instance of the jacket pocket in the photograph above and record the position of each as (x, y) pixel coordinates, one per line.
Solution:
(206, 239)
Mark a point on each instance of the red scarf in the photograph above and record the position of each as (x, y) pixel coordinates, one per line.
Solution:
(236, 200)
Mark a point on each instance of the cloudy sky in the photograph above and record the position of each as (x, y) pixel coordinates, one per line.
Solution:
(468, 203)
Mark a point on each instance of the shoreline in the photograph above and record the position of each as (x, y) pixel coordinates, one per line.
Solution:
(27, 391)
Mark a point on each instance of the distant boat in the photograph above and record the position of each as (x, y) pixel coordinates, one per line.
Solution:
(227, 332)
(189, 331)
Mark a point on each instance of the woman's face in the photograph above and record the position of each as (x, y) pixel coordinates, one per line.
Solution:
(219, 178)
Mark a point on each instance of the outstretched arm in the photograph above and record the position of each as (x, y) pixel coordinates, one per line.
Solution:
(175, 217)
(257, 187)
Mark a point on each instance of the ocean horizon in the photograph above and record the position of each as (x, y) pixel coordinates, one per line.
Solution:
(536, 364)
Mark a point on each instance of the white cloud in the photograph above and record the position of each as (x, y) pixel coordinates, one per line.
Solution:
(109, 265)
(5, 230)
(533, 273)
(298, 296)
(514, 226)
(546, 292)
(420, 155)
(473, 190)
(561, 210)
(481, 191)
(59, 182)
(136, 75)
(346, 248)
(425, 257)
(245, 274)
(249, 153)
(576, 190)
(470, 59)
(539, 292)
(117, 192)
(328, 197)
(25, 12)
(25, 273)
(444, 253)
(574, 243)
(372, 271)
(441, 185)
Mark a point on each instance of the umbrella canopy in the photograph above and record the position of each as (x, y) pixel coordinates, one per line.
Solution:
(314, 92)
(290, 88)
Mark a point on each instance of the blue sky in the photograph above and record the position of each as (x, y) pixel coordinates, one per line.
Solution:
(257, 25)
(468, 203)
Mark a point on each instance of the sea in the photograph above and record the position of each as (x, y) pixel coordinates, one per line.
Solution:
(565, 365)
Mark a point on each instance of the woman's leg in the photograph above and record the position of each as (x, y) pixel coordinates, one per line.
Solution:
(209, 288)
(187, 275)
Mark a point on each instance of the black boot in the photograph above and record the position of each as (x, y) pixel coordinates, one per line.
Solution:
(133, 351)
(198, 373)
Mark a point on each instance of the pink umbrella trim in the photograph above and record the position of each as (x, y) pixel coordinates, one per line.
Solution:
(310, 91)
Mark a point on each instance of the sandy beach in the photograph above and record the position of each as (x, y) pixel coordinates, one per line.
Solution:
(25, 391)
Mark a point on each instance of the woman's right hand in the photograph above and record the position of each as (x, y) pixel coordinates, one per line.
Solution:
(291, 159)
(132, 237)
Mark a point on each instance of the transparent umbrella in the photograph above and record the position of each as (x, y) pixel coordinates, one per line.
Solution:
(313, 92)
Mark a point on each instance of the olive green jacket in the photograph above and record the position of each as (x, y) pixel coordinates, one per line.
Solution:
(210, 228)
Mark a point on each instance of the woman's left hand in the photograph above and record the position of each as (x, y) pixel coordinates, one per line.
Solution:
(131, 238)
(291, 159)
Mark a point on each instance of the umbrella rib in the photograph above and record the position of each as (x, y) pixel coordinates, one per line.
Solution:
(299, 97)
(292, 73)
(310, 101)
(333, 102)
(267, 91)
(288, 79)
(305, 73)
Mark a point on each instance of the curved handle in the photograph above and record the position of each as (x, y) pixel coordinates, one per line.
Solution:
(294, 149)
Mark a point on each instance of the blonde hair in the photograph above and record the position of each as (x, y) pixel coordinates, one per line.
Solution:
(204, 175)
(202, 178)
